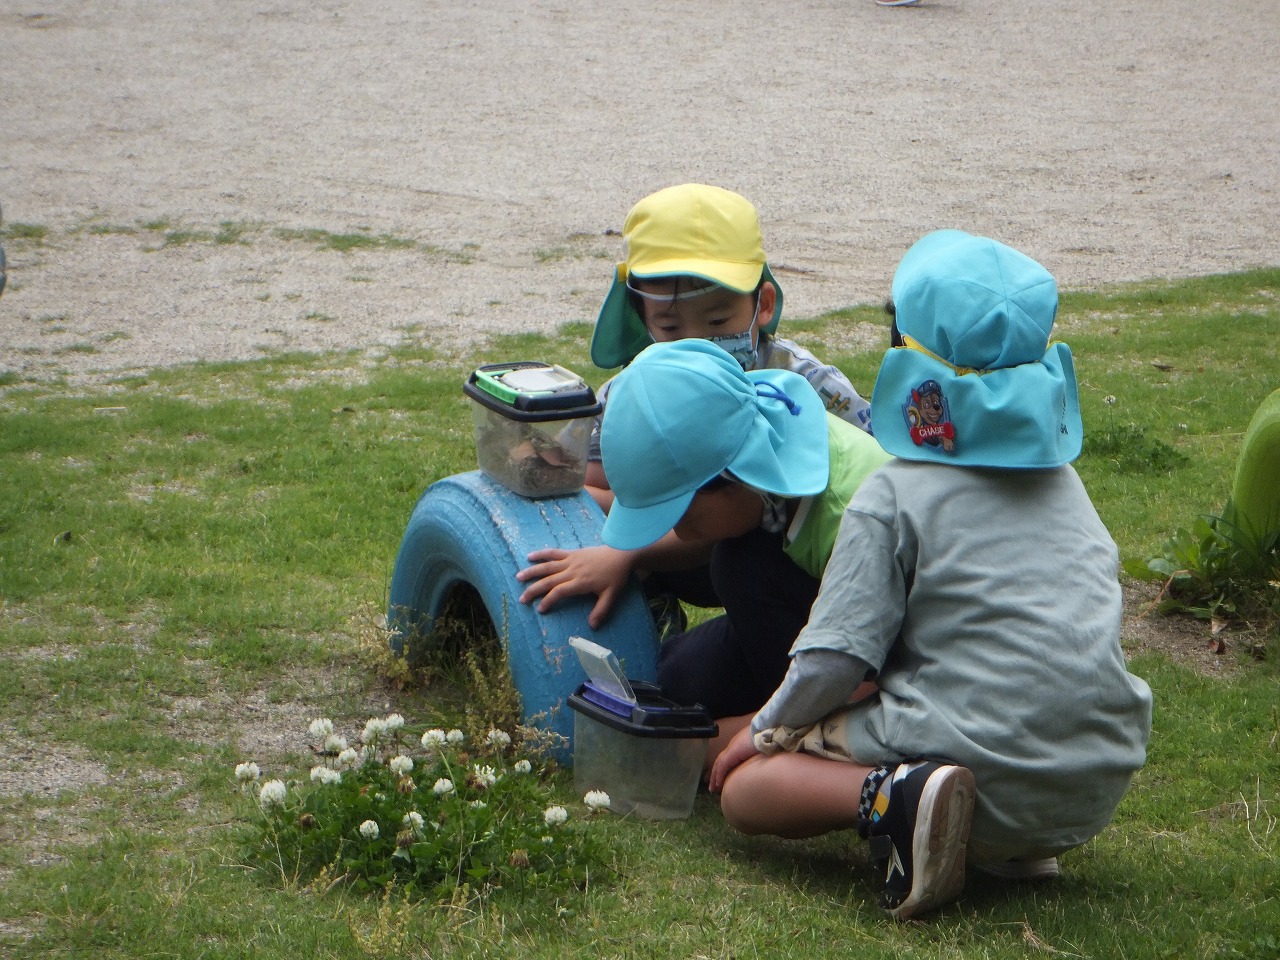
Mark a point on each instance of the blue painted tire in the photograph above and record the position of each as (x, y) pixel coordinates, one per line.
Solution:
(468, 530)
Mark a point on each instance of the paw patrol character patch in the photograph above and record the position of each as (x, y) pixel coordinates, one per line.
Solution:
(929, 417)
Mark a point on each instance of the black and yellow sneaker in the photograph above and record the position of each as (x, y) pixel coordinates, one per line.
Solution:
(917, 820)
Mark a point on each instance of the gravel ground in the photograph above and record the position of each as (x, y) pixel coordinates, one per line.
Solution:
(175, 156)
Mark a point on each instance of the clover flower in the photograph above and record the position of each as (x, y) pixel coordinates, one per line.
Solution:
(455, 737)
(348, 758)
(334, 743)
(596, 800)
(433, 739)
(272, 794)
(393, 722)
(477, 804)
(554, 816)
(498, 738)
(443, 787)
(247, 772)
(483, 777)
(522, 766)
(414, 823)
(321, 727)
(324, 775)
(374, 729)
(369, 830)
(400, 765)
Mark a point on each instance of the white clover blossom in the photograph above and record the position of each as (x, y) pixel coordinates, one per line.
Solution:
(498, 738)
(400, 765)
(334, 743)
(596, 800)
(485, 777)
(393, 722)
(1108, 400)
(246, 772)
(272, 794)
(554, 816)
(522, 766)
(374, 729)
(477, 804)
(443, 787)
(413, 822)
(321, 727)
(369, 830)
(368, 752)
(433, 739)
(455, 736)
(348, 758)
(324, 775)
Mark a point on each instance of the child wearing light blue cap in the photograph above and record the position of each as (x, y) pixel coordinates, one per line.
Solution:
(974, 581)
(751, 462)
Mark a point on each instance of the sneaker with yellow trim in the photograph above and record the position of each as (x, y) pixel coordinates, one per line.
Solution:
(918, 823)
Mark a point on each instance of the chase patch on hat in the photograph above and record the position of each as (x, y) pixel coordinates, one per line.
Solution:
(928, 417)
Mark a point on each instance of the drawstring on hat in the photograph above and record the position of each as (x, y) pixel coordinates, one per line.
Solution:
(775, 393)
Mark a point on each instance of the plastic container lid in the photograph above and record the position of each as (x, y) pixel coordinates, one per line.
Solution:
(652, 715)
(532, 391)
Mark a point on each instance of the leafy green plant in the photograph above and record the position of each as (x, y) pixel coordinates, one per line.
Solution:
(1216, 570)
(435, 818)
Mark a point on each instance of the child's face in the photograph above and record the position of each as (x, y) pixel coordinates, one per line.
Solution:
(719, 313)
(727, 511)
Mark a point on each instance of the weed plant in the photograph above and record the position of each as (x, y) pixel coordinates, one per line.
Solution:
(192, 562)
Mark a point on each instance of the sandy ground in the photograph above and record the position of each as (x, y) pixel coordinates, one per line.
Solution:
(505, 142)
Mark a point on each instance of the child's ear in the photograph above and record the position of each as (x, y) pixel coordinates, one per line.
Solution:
(768, 301)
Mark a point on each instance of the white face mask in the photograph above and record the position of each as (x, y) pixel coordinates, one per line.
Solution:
(741, 346)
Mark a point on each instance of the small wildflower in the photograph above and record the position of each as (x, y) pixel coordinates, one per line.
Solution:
(369, 830)
(433, 739)
(406, 785)
(522, 766)
(272, 794)
(348, 758)
(482, 778)
(374, 729)
(334, 743)
(554, 816)
(307, 821)
(1109, 400)
(498, 738)
(414, 823)
(596, 800)
(325, 775)
(368, 752)
(443, 787)
(247, 772)
(477, 804)
(455, 736)
(321, 727)
(393, 722)
(400, 765)
(519, 859)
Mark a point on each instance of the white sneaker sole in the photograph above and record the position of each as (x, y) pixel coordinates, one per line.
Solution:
(1045, 869)
(940, 841)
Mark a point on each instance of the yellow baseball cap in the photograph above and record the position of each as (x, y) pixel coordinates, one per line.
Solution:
(689, 230)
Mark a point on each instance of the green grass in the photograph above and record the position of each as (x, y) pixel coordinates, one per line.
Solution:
(191, 562)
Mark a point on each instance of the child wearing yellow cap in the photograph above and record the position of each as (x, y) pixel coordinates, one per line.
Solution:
(694, 267)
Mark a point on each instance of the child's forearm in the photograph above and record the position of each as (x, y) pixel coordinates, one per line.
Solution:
(817, 682)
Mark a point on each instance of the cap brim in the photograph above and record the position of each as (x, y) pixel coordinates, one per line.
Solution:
(630, 528)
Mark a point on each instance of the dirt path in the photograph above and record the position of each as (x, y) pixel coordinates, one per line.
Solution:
(175, 155)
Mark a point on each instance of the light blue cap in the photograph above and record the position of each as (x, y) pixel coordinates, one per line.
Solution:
(685, 412)
(979, 383)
